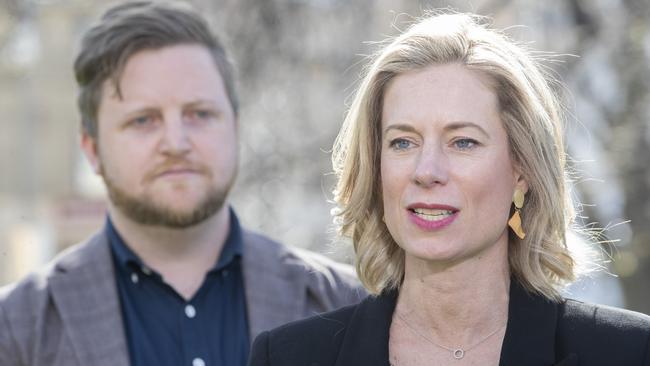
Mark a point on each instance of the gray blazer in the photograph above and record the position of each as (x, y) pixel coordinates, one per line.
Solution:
(69, 313)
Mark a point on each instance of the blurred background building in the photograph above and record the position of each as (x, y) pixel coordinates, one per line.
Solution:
(298, 62)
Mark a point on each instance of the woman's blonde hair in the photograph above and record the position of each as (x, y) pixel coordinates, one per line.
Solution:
(531, 114)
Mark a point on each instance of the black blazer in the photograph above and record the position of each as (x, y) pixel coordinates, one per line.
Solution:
(539, 333)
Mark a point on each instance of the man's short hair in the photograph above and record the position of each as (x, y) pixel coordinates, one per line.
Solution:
(129, 28)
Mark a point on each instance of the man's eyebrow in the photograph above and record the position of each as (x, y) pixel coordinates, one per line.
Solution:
(202, 102)
(139, 111)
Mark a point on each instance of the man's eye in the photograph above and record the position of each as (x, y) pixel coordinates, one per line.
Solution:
(141, 121)
(201, 114)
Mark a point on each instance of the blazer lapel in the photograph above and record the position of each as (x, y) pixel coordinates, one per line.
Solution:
(366, 338)
(529, 338)
(530, 334)
(85, 294)
(275, 290)
(570, 360)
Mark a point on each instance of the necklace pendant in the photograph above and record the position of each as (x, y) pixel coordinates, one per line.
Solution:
(459, 353)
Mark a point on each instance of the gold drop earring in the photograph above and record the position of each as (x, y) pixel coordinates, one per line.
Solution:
(515, 220)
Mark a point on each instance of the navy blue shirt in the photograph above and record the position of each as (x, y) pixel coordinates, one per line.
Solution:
(162, 328)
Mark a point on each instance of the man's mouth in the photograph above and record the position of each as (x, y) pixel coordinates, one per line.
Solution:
(178, 171)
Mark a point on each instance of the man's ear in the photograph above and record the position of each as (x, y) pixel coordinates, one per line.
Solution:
(90, 149)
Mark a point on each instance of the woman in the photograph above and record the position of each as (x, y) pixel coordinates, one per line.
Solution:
(452, 187)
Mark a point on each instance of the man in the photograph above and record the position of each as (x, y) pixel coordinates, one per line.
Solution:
(172, 279)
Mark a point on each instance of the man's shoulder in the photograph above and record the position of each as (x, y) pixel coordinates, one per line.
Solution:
(323, 275)
(35, 285)
(68, 305)
(306, 260)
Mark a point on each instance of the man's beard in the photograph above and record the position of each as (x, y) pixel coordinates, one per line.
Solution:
(146, 212)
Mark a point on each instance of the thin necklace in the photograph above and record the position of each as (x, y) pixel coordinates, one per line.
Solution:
(459, 352)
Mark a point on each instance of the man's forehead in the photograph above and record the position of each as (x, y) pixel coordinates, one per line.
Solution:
(146, 58)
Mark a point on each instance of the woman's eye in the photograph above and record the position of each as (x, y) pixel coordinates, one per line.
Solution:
(400, 144)
(465, 143)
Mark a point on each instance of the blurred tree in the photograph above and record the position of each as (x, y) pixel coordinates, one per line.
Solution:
(298, 62)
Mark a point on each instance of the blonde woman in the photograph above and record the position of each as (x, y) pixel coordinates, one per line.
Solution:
(452, 187)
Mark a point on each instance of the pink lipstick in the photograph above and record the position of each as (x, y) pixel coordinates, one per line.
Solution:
(432, 216)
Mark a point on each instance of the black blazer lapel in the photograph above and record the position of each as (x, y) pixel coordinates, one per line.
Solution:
(530, 334)
(366, 339)
(570, 360)
(529, 338)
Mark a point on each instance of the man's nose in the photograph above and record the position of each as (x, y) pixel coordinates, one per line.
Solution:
(176, 138)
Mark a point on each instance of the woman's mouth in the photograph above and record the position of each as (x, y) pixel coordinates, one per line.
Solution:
(432, 216)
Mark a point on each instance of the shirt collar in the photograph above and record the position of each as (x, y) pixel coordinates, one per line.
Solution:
(233, 247)
(125, 257)
(123, 254)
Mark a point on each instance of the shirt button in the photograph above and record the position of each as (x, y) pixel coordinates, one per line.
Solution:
(134, 277)
(146, 270)
(198, 362)
(225, 273)
(190, 311)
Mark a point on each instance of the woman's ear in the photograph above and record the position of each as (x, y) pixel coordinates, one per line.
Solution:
(521, 183)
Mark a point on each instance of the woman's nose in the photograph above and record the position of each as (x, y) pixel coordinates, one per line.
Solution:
(431, 167)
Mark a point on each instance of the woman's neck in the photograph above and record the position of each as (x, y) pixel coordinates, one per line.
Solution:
(458, 304)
